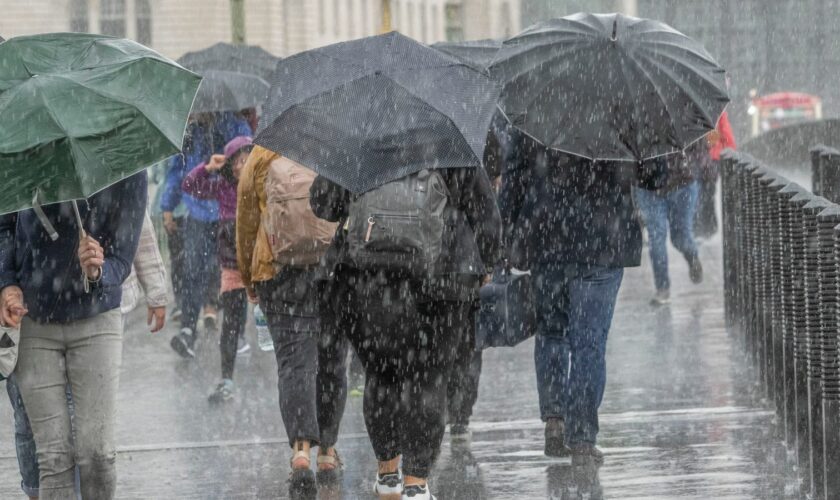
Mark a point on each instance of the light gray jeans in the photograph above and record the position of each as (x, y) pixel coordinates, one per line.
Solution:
(86, 354)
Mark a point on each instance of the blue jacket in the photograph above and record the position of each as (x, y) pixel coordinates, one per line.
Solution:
(48, 271)
(200, 143)
(561, 208)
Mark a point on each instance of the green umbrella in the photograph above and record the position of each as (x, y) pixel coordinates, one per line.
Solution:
(80, 112)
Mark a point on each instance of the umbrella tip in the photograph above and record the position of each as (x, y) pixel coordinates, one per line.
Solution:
(615, 29)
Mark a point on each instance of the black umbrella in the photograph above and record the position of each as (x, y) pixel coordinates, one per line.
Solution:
(369, 111)
(478, 53)
(609, 87)
(229, 91)
(248, 59)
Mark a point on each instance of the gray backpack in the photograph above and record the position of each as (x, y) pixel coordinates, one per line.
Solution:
(399, 226)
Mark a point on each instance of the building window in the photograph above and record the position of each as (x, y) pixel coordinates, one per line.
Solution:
(112, 18)
(335, 15)
(79, 16)
(454, 22)
(144, 21)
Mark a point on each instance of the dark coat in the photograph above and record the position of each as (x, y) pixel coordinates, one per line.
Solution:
(472, 241)
(49, 272)
(561, 208)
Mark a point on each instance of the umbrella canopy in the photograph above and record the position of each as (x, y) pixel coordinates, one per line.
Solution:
(479, 53)
(80, 112)
(609, 86)
(369, 111)
(229, 91)
(246, 59)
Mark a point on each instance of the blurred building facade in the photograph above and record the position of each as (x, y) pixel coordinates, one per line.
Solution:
(283, 27)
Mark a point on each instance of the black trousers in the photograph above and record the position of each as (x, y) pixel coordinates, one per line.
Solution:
(175, 241)
(462, 390)
(311, 360)
(235, 304)
(407, 349)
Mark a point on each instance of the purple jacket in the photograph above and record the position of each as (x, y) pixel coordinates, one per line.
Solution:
(201, 184)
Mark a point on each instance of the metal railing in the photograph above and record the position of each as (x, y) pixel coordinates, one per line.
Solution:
(781, 250)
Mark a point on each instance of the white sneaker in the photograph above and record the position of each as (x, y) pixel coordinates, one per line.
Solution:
(242, 346)
(417, 492)
(389, 484)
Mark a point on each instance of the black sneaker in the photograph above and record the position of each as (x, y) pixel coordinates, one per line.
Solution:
(586, 454)
(417, 492)
(555, 438)
(695, 270)
(183, 343)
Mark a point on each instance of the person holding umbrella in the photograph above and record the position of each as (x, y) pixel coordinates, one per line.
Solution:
(384, 122)
(641, 90)
(62, 260)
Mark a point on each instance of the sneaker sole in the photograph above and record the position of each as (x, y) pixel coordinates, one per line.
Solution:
(181, 347)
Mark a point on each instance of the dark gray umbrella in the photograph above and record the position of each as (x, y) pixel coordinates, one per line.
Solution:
(478, 53)
(248, 59)
(369, 111)
(610, 87)
(229, 91)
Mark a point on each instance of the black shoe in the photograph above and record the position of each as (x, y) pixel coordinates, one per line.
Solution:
(695, 270)
(302, 484)
(183, 343)
(555, 438)
(222, 393)
(586, 454)
(460, 433)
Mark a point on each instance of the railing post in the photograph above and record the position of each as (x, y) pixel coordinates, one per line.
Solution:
(829, 172)
(831, 378)
(729, 229)
(813, 355)
(800, 329)
(787, 208)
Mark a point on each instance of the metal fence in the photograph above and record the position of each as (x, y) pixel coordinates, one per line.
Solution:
(782, 283)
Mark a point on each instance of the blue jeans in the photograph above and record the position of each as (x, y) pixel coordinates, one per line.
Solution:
(575, 304)
(200, 260)
(24, 441)
(661, 211)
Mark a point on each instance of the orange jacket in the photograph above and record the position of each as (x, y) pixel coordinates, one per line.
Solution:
(721, 138)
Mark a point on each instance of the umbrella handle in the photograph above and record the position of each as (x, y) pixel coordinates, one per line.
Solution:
(39, 212)
(82, 235)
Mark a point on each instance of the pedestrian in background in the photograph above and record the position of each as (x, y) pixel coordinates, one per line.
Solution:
(217, 180)
(672, 208)
(705, 222)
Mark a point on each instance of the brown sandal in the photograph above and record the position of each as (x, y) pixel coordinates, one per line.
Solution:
(329, 468)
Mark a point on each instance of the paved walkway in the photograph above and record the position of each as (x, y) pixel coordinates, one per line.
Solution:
(679, 420)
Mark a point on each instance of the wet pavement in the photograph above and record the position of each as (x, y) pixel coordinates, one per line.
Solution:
(680, 419)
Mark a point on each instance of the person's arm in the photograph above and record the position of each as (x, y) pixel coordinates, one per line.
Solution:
(248, 214)
(151, 274)
(171, 196)
(478, 202)
(203, 181)
(12, 309)
(328, 200)
(126, 216)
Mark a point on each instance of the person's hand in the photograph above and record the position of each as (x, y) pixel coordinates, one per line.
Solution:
(487, 279)
(252, 296)
(12, 309)
(169, 223)
(91, 258)
(215, 164)
(157, 318)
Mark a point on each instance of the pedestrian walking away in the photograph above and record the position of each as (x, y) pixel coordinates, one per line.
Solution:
(706, 224)
(279, 243)
(217, 180)
(672, 209)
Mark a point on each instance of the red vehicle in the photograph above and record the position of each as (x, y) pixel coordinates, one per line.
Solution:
(783, 108)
